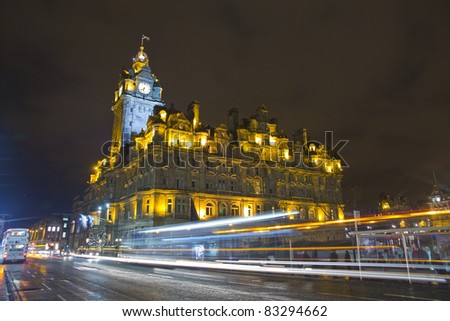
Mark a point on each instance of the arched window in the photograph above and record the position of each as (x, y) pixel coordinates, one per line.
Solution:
(222, 209)
(311, 214)
(234, 210)
(209, 209)
(257, 185)
(303, 215)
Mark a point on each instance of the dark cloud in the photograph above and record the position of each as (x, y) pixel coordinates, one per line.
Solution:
(376, 73)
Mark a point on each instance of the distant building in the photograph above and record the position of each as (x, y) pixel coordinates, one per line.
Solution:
(51, 232)
(167, 167)
(438, 198)
(388, 204)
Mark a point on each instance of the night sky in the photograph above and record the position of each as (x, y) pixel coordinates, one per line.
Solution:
(374, 72)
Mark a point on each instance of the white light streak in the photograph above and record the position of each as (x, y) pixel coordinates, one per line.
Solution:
(217, 223)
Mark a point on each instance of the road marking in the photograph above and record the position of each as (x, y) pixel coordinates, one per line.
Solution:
(88, 292)
(46, 286)
(409, 297)
(161, 276)
(84, 268)
(61, 297)
(274, 287)
(70, 291)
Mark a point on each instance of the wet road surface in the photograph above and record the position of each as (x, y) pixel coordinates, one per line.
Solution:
(79, 279)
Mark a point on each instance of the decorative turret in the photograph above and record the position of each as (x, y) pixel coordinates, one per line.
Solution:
(141, 59)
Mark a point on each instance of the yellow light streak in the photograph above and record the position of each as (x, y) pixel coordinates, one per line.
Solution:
(365, 220)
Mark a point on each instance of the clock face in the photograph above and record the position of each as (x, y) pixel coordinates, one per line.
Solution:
(144, 88)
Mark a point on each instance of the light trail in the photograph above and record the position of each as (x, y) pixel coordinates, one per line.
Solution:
(401, 276)
(315, 262)
(217, 223)
(320, 248)
(310, 225)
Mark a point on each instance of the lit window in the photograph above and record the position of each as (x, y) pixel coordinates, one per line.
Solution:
(209, 209)
(272, 141)
(64, 235)
(53, 228)
(57, 229)
(234, 210)
(65, 225)
(169, 206)
(49, 229)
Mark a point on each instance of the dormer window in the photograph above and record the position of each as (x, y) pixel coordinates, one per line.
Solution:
(272, 141)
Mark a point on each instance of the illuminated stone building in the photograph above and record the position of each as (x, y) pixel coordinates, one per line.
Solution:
(50, 233)
(172, 168)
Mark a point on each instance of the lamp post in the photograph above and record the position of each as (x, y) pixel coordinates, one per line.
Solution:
(102, 237)
(118, 246)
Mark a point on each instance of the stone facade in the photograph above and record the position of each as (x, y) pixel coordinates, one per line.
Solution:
(176, 169)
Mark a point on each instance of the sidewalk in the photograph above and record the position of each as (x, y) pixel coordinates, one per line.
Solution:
(3, 288)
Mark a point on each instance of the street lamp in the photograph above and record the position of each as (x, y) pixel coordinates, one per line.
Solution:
(118, 246)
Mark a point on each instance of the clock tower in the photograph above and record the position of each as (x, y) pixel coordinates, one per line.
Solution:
(138, 93)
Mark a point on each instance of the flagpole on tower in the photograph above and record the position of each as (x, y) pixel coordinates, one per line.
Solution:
(144, 37)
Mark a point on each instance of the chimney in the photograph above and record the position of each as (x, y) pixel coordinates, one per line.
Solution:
(301, 137)
(233, 120)
(193, 113)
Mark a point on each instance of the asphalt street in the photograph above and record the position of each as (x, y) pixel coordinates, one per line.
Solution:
(80, 279)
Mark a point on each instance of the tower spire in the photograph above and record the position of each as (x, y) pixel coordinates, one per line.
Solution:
(434, 176)
(141, 57)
